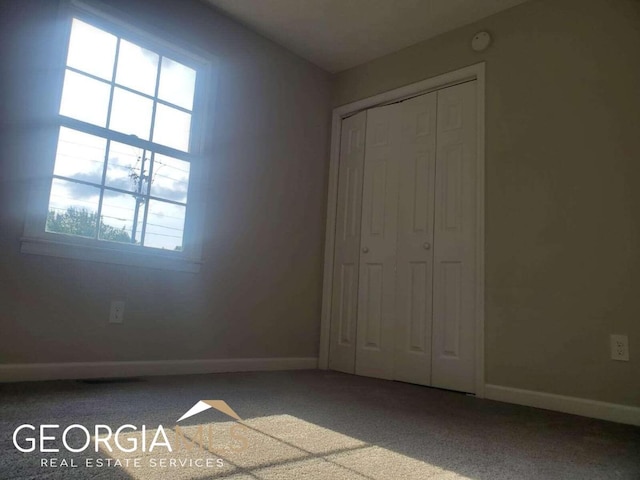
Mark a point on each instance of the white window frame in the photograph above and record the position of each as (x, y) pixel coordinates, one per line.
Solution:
(37, 240)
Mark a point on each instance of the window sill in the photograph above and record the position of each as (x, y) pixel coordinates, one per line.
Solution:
(113, 255)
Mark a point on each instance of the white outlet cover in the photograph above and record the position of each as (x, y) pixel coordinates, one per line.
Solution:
(116, 314)
(619, 347)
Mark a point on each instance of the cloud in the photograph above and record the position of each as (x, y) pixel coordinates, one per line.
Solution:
(176, 192)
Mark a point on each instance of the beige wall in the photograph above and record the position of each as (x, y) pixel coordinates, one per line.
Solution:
(562, 195)
(259, 291)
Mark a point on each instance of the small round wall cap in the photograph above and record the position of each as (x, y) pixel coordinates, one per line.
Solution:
(480, 41)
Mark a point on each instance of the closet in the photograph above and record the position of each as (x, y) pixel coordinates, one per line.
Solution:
(403, 300)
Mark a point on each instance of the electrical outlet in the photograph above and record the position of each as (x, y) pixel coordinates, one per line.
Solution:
(116, 315)
(619, 347)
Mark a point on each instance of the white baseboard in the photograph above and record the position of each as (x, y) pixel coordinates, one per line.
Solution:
(574, 405)
(25, 372)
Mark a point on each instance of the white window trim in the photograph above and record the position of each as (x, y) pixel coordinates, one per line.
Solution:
(36, 240)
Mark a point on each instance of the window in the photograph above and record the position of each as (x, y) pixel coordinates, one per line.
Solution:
(127, 149)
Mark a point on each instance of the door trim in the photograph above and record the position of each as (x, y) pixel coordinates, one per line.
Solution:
(472, 72)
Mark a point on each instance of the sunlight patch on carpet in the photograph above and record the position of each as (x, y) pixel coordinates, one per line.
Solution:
(271, 447)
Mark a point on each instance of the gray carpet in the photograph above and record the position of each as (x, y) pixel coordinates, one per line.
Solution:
(308, 424)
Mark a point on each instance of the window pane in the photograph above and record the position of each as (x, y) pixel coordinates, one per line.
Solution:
(124, 167)
(73, 208)
(80, 155)
(165, 225)
(177, 83)
(131, 114)
(172, 128)
(84, 98)
(170, 178)
(137, 68)
(91, 50)
(118, 217)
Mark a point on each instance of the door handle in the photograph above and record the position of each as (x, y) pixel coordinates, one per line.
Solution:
(365, 249)
(426, 245)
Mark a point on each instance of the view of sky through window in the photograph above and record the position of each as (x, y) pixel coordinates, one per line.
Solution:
(102, 186)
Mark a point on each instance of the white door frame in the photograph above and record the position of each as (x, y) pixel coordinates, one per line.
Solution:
(472, 72)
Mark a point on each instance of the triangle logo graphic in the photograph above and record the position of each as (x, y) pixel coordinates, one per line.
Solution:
(203, 405)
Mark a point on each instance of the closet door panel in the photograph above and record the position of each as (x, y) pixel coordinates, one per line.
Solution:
(376, 298)
(414, 296)
(344, 299)
(453, 356)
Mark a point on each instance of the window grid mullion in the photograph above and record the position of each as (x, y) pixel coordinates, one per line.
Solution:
(173, 105)
(155, 102)
(151, 154)
(74, 180)
(87, 74)
(113, 83)
(119, 190)
(108, 122)
(148, 198)
(137, 194)
(124, 138)
(144, 222)
(102, 184)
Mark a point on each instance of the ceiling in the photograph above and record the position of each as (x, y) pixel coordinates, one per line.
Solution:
(340, 34)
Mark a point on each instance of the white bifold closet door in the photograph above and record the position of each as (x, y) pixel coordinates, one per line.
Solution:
(455, 232)
(344, 304)
(376, 293)
(403, 304)
(416, 157)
